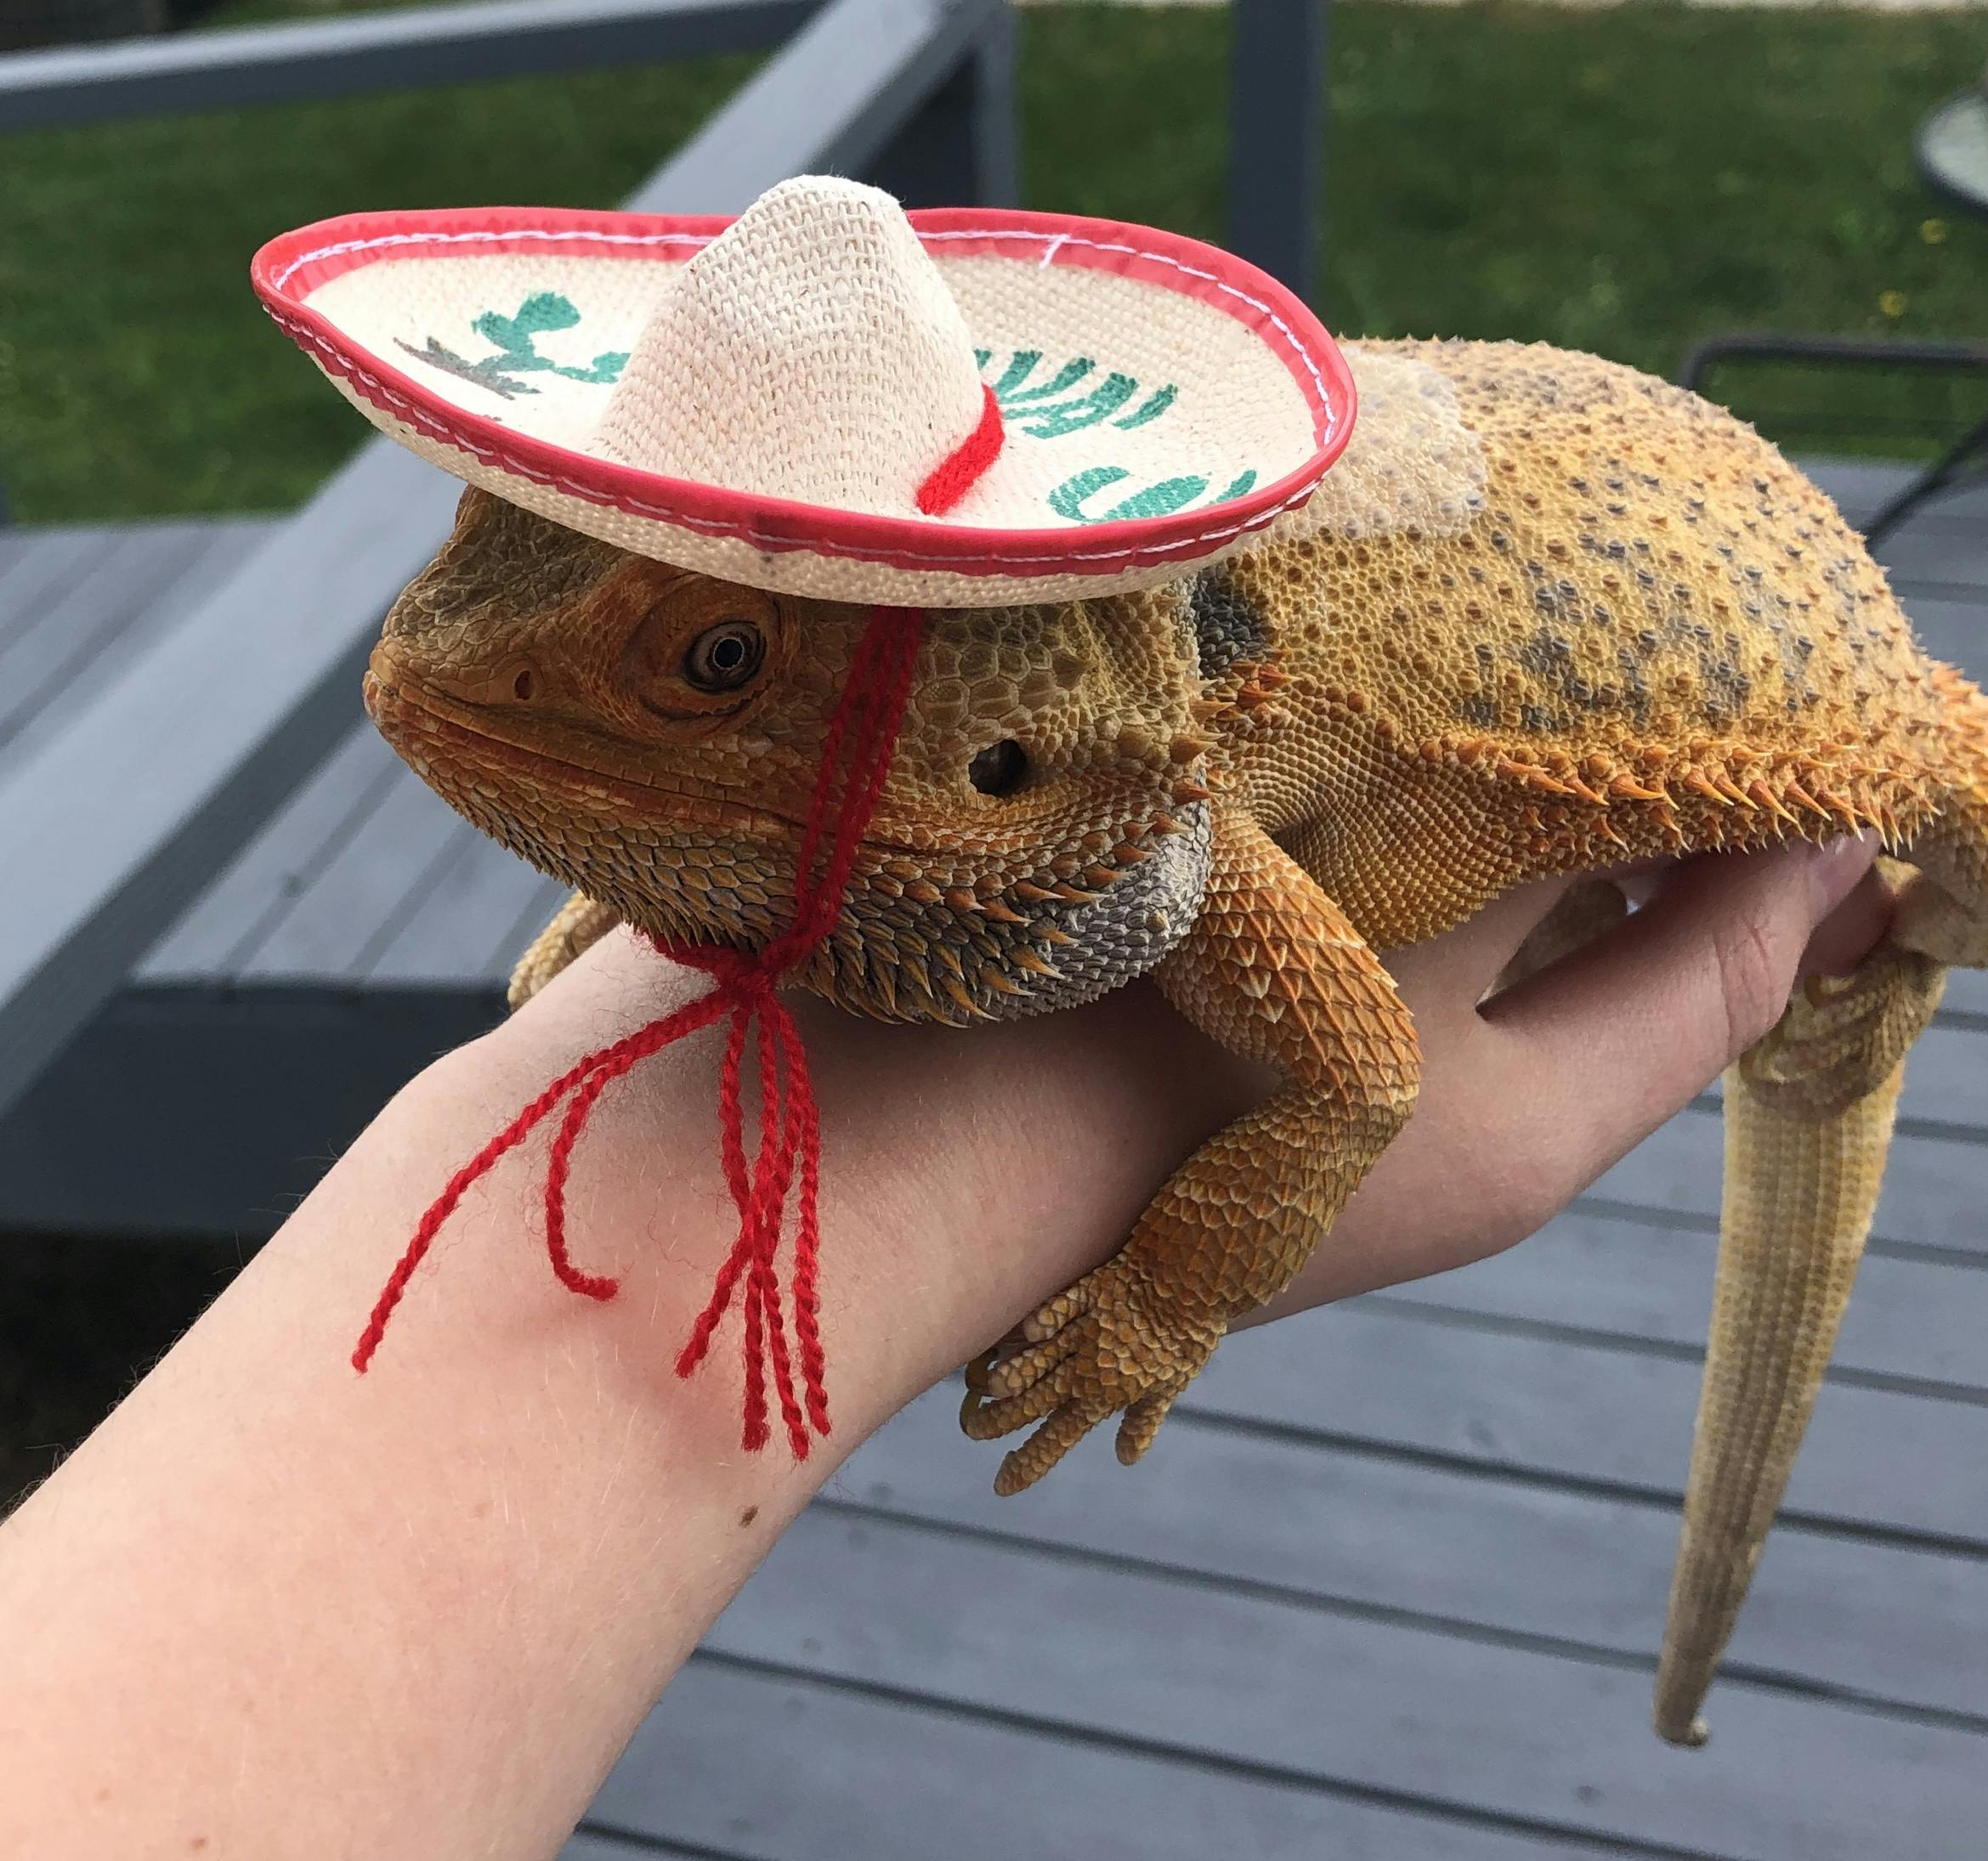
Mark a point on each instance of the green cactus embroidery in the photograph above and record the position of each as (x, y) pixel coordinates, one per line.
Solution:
(1037, 411)
(1162, 499)
(515, 338)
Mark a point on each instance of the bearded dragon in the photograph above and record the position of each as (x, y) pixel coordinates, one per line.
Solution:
(1557, 616)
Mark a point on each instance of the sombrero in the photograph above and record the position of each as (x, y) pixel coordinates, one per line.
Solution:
(827, 396)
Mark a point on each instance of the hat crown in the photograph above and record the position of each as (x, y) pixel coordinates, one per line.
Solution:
(811, 352)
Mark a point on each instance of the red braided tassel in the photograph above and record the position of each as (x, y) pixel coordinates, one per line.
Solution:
(856, 758)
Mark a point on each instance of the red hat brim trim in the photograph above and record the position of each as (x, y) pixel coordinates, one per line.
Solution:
(292, 266)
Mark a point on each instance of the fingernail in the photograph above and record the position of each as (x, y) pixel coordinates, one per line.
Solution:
(1835, 869)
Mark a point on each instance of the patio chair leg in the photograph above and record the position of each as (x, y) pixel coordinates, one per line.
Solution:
(1935, 479)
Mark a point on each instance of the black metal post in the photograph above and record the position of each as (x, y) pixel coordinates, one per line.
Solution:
(1276, 136)
(959, 148)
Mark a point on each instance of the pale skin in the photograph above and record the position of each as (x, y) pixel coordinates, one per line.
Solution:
(270, 1609)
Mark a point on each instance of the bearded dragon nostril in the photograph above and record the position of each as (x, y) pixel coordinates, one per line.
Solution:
(999, 769)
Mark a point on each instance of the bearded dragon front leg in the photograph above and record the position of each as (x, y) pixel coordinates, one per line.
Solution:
(576, 927)
(1273, 970)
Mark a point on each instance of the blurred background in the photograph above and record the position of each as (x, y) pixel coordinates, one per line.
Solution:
(1443, 1514)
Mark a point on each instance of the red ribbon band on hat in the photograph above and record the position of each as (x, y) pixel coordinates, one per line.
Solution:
(962, 468)
(856, 759)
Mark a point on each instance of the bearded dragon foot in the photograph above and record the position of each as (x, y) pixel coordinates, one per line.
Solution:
(1115, 1343)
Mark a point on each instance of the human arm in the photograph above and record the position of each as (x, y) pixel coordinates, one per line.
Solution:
(275, 1609)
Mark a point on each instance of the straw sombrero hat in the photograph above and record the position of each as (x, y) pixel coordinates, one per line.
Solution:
(826, 396)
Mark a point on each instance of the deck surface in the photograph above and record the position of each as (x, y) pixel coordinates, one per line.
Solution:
(1392, 1583)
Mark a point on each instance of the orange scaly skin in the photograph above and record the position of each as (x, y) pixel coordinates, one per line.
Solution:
(1560, 617)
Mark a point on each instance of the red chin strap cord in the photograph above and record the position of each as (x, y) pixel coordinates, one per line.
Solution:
(856, 759)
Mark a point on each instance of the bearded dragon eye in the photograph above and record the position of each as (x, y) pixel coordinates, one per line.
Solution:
(723, 658)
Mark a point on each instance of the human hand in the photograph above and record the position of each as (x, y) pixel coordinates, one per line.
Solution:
(1528, 1097)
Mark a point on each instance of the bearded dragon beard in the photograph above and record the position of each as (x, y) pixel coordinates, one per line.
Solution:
(953, 935)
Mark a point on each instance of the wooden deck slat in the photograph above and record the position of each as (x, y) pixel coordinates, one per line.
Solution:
(538, 912)
(1860, 486)
(53, 670)
(1577, 1413)
(601, 1845)
(1910, 1319)
(49, 562)
(85, 615)
(1899, 1623)
(1932, 1196)
(363, 886)
(1375, 1702)
(1952, 628)
(327, 813)
(1967, 992)
(842, 1774)
(16, 546)
(1946, 1079)
(467, 924)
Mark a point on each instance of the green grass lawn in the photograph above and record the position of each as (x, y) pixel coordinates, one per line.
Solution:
(1623, 180)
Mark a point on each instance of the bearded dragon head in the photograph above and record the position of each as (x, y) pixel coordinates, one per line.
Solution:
(652, 738)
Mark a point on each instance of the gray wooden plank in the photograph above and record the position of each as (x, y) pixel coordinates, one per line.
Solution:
(1947, 1081)
(86, 613)
(633, 1845)
(775, 1764)
(50, 561)
(1947, 1076)
(1936, 559)
(15, 543)
(457, 927)
(1932, 1194)
(1910, 1319)
(176, 763)
(345, 906)
(1344, 1695)
(1967, 993)
(537, 914)
(1860, 487)
(1575, 1410)
(1951, 627)
(262, 882)
(52, 671)
(1883, 1620)
(288, 61)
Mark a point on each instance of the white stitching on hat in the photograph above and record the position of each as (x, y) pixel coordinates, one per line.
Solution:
(1055, 241)
(424, 422)
(345, 245)
(1058, 240)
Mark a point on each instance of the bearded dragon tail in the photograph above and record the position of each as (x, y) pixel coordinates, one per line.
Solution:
(1808, 1114)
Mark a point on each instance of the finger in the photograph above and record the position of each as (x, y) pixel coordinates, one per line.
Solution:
(1851, 931)
(1623, 1034)
(1461, 964)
